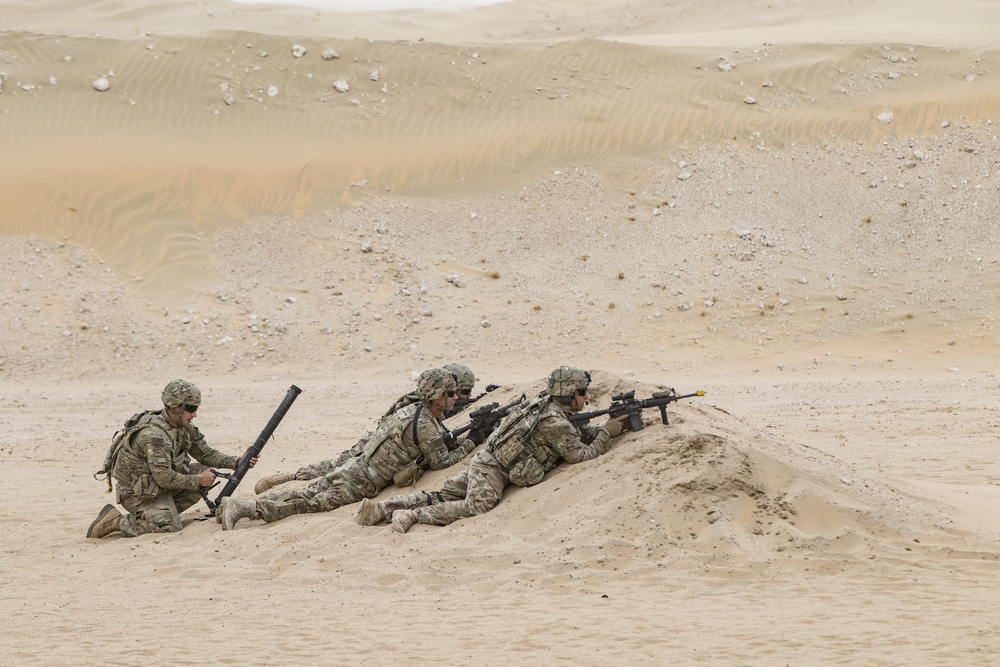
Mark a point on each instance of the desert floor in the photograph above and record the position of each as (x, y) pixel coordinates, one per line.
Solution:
(790, 205)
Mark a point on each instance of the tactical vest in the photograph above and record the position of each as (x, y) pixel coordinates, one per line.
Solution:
(384, 450)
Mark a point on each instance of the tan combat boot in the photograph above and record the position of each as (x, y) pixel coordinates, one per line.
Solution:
(233, 510)
(266, 483)
(370, 513)
(107, 522)
(403, 519)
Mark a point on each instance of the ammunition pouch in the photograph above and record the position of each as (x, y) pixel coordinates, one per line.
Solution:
(526, 472)
(409, 475)
(145, 488)
(509, 452)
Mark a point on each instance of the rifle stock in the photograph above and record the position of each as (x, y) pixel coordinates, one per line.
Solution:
(627, 404)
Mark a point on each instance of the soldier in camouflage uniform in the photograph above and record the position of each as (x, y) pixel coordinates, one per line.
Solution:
(156, 477)
(527, 444)
(466, 380)
(401, 447)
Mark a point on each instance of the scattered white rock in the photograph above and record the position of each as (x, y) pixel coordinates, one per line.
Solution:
(366, 247)
(374, 75)
(329, 54)
(101, 85)
(894, 75)
(885, 117)
(486, 324)
(272, 91)
(766, 83)
(298, 50)
(473, 215)
(727, 66)
(749, 99)
(684, 175)
(455, 280)
(341, 86)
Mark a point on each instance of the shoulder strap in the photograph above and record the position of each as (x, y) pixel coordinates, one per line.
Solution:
(416, 416)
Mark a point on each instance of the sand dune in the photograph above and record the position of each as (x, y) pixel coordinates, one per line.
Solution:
(789, 205)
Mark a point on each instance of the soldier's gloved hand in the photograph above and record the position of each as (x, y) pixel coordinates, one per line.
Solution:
(614, 427)
(478, 435)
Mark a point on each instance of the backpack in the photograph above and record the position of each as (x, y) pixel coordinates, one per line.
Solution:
(121, 437)
(510, 443)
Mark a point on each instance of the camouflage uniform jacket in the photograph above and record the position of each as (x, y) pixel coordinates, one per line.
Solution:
(556, 439)
(157, 458)
(395, 443)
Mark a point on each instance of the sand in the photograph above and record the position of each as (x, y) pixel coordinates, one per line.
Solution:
(790, 205)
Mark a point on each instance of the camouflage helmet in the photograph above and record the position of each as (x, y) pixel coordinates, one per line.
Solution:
(565, 381)
(434, 382)
(181, 392)
(463, 375)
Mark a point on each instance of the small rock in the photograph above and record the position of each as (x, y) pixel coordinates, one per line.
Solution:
(749, 100)
(341, 86)
(885, 117)
(101, 85)
(329, 54)
(272, 91)
(298, 50)
(374, 75)
(486, 324)
(727, 66)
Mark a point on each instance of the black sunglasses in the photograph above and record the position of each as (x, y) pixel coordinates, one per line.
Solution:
(451, 393)
(190, 408)
(581, 392)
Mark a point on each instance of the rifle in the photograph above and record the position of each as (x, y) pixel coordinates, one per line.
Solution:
(254, 450)
(484, 419)
(462, 403)
(627, 404)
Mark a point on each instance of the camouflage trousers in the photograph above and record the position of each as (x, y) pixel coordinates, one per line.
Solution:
(323, 468)
(347, 484)
(475, 490)
(162, 514)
